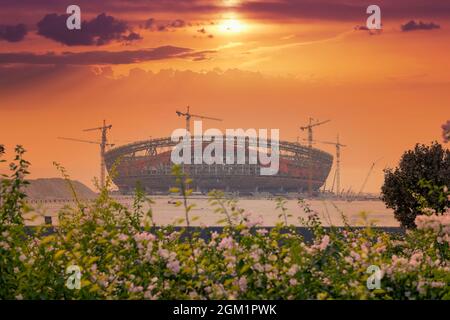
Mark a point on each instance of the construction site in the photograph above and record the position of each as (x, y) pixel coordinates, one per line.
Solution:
(303, 168)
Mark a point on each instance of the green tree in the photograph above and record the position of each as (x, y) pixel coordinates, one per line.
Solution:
(407, 189)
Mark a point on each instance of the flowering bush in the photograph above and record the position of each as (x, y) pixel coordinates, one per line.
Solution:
(119, 258)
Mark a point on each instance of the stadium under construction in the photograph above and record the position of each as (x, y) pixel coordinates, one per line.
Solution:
(148, 163)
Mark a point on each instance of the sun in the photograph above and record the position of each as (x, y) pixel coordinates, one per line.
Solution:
(231, 25)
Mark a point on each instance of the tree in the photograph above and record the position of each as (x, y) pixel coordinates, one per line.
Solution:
(416, 181)
(446, 131)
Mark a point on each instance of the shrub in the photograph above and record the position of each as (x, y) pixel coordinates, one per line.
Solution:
(407, 187)
(446, 131)
(119, 259)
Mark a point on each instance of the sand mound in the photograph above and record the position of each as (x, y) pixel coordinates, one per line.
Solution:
(57, 188)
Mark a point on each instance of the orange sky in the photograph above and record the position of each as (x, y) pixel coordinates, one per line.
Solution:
(251, 65)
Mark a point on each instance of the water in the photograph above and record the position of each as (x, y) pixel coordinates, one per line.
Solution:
(167, 213)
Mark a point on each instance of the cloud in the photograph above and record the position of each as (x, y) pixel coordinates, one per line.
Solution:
(13, 33)
(153, 25)
(133, 36)
(99, 31)
(414, 26)
(178, 23)
(348, 10)
(105, 57)
(150, 23)
(361, 28)
(342, 10)
(369, 31)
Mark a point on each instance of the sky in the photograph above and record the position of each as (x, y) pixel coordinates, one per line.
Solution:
(255, 64)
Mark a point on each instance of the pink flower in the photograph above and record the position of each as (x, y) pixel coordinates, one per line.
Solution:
(293, 282)
(262, 231)
(292, 270)
(226, 243)
(174, 266)
(254, 222)
(437, 284)
(355, 255)
(242, 283)
(163, 253)
(134, 289)
(434, 222)
(141, 236)
(380, 249)
(415, 259)
(214, 235)
(258, 267)
(325, 242)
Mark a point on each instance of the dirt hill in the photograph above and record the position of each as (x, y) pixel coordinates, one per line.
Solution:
(57, 188)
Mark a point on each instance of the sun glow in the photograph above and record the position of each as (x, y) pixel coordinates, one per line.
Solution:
(231, 25)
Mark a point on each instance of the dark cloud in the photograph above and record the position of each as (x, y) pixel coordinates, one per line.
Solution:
(344, 10)
(353, 10)
(104, 57)
(152, 24)
(178, 23)
(133, 36)
(205, 33)
(13, 33)
(99, 31)
(361, 28)
(369, 31)
(413, 26)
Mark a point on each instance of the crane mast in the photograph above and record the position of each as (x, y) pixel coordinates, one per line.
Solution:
(103, 143)
(310, 127)
(367, 177)
(188, 115)
(337, 174)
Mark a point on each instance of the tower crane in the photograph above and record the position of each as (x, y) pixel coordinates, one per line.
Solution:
(310, 127)
(367, 177)
(103, 144)
(337, 176)
(189, 115)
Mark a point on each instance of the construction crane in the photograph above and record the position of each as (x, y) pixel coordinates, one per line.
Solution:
(103, 144)
(189, 115)
(310, 127)
(367, 177)
(337, 174)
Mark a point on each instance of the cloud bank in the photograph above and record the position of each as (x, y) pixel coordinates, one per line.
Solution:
(99, 31)
(105, 57)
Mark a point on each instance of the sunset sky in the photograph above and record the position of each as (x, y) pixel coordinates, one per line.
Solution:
(256, 64)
